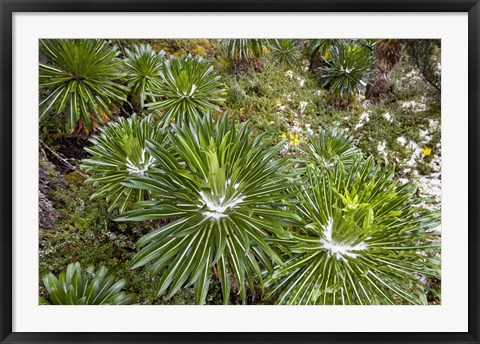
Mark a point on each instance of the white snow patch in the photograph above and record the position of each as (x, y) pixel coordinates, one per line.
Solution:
(280, 106)
(301, 81)
(424, 135)
(218, 205)
(414, 106)
(337, 250)
(364, 117)
(433, 124)
(416, 152)
(142, 166)
(431, 187)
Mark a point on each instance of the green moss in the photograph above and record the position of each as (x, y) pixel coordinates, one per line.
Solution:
(86, 233)
(52, 174)
(75, 178)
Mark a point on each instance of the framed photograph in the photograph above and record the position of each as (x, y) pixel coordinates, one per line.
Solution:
(213, 171)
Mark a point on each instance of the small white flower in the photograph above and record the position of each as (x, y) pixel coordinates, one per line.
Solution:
(425, 136)
(402, 140)
(303, 105)
(382, 148)
(388, 117)
(359, 125)
(414, 106)
(433, 124)
(309, 130)
(365, 117)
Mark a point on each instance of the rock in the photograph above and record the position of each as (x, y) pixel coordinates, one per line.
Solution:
(49, 179)
(47, 215)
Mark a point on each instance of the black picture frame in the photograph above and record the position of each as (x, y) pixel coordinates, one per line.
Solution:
(8, 7)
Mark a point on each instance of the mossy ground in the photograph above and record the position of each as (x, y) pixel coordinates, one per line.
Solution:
(404, 129)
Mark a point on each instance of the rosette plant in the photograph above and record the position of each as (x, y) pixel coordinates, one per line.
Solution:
(318, 50)
(81, 81)
(244, 49)
(225, 194)
(88, 287)
(347, 70)
(320, 47)
(364, 240)
(331, 146)
(285, 52)
(245, 54)
(118, 152)
(143, 66)
(187, 87)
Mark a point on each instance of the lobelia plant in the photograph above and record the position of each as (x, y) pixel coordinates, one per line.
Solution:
(245, 53)
(364, 240)
(118, 152)
(81, 81)
(318, 51)
(244, 49)
(88, 287)
(347, 70)
(285, 52)
(320, 47)
(330, 147)
(225, 193)
(143, 67)
(188, 88)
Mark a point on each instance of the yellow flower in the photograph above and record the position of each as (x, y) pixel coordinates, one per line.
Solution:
(293, 139)
(426, 151)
